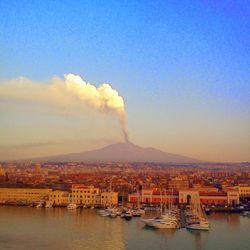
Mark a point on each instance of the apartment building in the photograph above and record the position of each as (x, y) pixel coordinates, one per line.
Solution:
(85, 195)
(59, 198)
(89, 195)
(109, 198)
(27, 195)
(244, 190)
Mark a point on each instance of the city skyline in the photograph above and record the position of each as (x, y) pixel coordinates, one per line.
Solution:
(184, 78)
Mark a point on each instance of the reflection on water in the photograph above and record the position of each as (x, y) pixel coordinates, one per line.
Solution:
(199, 238)
(58, 228)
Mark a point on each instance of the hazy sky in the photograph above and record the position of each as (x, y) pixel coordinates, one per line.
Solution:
(182, 67)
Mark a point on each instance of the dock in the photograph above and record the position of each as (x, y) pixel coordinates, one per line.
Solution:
(182, 218)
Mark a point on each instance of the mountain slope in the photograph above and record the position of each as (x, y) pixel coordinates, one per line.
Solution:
(122, 152)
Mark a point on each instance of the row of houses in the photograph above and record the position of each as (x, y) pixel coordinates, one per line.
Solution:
(80, 195)
(207, 196)
(83, 195)
(89, 195)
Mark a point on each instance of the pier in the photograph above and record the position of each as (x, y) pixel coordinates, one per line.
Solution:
(182, 218)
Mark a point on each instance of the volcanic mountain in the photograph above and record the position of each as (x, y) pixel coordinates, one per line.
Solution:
(121, 152)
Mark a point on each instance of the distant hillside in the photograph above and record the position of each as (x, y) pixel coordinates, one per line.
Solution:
(121, 152)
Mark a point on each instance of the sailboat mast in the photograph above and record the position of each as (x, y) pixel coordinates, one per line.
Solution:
(161, 201)
(122, 197)
(138, 198)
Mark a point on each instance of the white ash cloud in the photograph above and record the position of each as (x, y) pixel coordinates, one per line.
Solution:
(69, 93)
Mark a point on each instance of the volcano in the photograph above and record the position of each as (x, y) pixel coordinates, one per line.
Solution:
(121, 152)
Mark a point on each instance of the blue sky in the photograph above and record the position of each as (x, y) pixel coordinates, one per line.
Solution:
(181, 66)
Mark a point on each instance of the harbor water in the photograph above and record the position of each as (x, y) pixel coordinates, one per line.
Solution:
(59, 228)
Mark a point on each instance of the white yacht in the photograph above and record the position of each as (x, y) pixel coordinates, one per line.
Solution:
(163, 219)
(48, 205)
(128, 215)
(149, 222)
(72, 206)
(141, 211)
(196, 218)
(164, 224)
(136, 212)
(201, 225)
(39, 205)
(246, 213)
(113, 214)
(168, 220)
(108, 212)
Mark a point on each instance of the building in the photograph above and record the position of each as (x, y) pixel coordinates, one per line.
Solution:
(244, 190)
(208, 196)
(27, 195)
(2, 174)
(233, 197)
(188, 196)
(109, 198)
(214, 198)
(59, 198)
(85, 195)
(178, 183)
(229, 197)
(154, 196)
(89, 195)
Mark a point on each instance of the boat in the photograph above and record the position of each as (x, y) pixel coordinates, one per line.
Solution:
(72, 206)
(201, 225)
(165, 219)
(164, 224)
(196, 218)
(168, 220)
(119, 211)
(136, 213)
(39, 205)
(149, 222)
(141, 211)
(207, 210)
(113, 214)
(106, 214)
(128, 215)
(246, 213)
(48, 205)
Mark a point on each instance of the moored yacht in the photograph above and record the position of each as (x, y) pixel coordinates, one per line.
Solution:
(164, 224)
(48, 205)
(127, 215)
(246, 213)
(72, 206)
(201, 225)
(164, 221)
(39, 205)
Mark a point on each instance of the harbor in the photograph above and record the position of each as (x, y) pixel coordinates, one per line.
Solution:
(60, 228)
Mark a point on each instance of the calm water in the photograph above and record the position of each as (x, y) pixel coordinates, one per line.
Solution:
(58, 228)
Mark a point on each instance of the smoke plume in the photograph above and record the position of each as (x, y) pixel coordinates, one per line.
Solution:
(72, 91)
